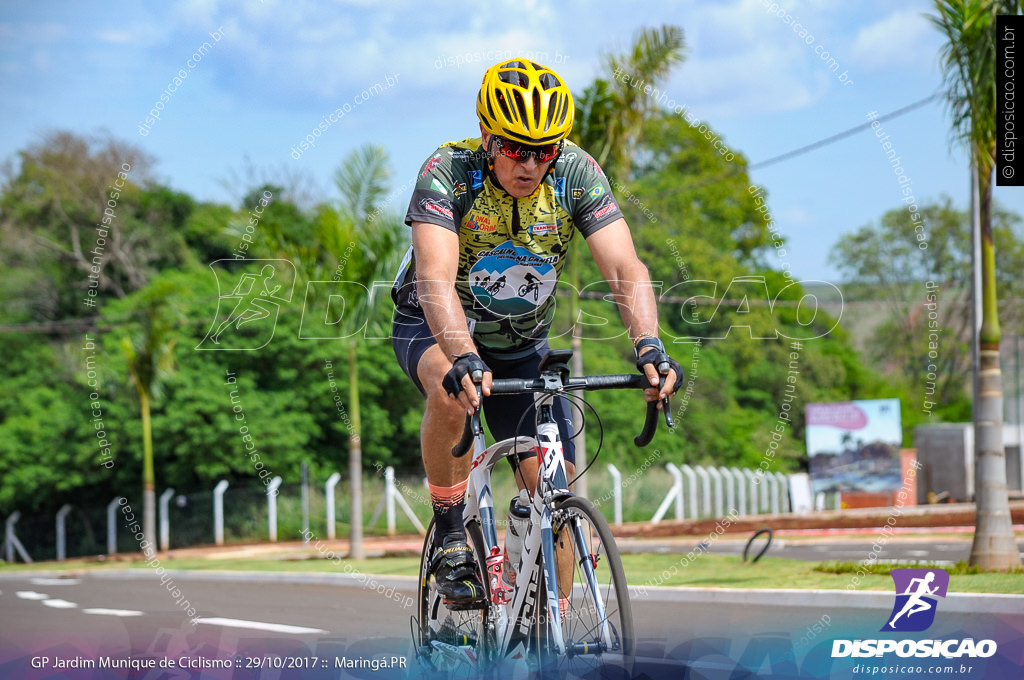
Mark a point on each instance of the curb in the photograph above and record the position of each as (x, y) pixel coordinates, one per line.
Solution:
(988, 603)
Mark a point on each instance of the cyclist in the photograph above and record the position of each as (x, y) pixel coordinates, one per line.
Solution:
(504, 204)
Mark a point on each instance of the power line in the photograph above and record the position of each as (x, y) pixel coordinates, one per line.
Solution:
(846, 133)
(804, 149)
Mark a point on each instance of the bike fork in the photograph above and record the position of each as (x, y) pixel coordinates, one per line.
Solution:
(551, 583)
(587, 565)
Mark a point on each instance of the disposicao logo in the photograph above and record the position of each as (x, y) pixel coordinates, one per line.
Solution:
(913, 612)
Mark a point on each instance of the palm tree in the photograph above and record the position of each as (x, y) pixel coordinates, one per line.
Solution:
(969, 62)
(381, 242)
(150, 357)
(609, 118)
(611, 113)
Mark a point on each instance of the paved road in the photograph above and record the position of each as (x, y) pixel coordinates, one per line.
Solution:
(240, 616)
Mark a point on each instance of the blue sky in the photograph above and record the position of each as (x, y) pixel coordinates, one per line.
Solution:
(279, 68)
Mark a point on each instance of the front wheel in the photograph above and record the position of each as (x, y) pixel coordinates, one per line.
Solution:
(446, 638)
(597, 618)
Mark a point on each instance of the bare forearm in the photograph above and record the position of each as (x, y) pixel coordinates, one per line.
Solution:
(634, 295)
(445, 316)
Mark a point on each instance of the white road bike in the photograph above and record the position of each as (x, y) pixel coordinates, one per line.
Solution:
(525, 626)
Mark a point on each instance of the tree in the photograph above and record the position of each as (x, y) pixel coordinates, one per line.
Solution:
(150, 357)
(969, 64)
(612, 113)
(610, 119)
(362, 180)
(73, 210)
(884, 263)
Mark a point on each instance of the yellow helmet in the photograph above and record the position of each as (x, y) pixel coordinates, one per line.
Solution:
(525, 102)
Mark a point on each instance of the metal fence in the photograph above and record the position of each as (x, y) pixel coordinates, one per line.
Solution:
(394, 501)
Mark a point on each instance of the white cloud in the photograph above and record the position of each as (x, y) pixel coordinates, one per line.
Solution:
(135, 34)
(742, 59)
(901, 40)
(768, 79)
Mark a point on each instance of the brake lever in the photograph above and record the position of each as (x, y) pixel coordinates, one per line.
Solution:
(666, 407)
(666, 403)
(472, 428)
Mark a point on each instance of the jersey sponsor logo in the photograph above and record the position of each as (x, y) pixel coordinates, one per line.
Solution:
(431, 164)
(544, 227)
(439, 206)
(568, 157)
(593, 164)
(482, 223)
(601, 212)
(437, 186)
(512, 281)
(596, 191)
(577, 193)
(466, 154)
(559, 186)
(460, 188)
(476, 179)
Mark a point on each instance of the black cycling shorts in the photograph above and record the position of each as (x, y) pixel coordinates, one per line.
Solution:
(411, 337)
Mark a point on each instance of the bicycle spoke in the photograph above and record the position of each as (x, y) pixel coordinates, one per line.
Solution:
(597, 625)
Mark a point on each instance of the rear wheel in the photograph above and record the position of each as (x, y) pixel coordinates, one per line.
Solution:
(448, 638)
(597, 621)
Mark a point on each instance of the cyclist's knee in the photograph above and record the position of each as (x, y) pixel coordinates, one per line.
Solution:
(443, 411)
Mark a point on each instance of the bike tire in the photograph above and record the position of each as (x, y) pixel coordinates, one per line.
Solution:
(581, 625)
(460, 628)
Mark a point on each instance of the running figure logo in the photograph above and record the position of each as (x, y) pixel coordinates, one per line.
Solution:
(914, 610)
(254, 301)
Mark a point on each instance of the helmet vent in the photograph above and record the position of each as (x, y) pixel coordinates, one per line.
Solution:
(552, 110)
(505, 110)
(514, 77)
(490, 110)
(520, 105)
(563, 111)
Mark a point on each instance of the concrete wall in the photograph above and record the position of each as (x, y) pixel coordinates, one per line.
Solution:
(946, 453)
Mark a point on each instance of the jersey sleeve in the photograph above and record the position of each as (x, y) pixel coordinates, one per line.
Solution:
(590, 198)
(433, 198)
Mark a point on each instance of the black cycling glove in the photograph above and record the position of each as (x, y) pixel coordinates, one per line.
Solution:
(658, 357)
(465, 364)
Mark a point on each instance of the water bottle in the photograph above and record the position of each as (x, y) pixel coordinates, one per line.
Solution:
(515, 534)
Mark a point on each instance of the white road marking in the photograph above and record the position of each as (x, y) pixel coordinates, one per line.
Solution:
(112, 612)
(917, 553)
(55, 581)
(259, 625)
(32, 595)
(60, 604)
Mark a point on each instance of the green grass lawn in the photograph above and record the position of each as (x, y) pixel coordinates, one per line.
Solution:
(707, 571)
(724, 571)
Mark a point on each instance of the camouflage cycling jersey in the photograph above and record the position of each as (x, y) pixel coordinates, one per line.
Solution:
(512, 251)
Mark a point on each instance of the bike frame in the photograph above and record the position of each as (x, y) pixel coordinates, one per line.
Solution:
(512, 617)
